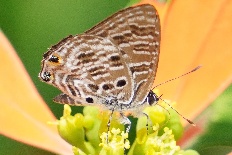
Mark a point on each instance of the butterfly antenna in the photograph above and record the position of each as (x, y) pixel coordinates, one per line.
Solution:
(198, 67)
(190, 122)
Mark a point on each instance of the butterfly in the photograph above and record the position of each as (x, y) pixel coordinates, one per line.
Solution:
(112, 65)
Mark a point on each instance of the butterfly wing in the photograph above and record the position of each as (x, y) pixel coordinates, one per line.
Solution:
(87, 69)
(136, 31)
(115, 60)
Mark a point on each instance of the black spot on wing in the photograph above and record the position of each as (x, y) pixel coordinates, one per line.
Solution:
(121, 83)
(107, 86)
(89, 100)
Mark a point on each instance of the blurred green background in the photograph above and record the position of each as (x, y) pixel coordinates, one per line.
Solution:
(34, 26)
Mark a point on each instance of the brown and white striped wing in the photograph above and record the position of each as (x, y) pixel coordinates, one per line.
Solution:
(136, 31)
(115, 62)
(89, 70)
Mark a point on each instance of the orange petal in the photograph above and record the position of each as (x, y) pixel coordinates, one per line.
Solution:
(24, 114)
(195, 34)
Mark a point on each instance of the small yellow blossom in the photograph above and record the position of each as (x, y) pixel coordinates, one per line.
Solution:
(114, 142)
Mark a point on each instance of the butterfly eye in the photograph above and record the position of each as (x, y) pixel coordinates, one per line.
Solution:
(152, 98)
(46, 76)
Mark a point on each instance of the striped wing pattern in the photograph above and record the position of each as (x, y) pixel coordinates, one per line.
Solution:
(136, 31)
(113, 64)
(91, 70)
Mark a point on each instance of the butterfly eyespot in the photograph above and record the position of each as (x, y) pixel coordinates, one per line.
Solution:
(54, 59)
(121, 83)
(107, 86)
(46, 76)
(89, 100)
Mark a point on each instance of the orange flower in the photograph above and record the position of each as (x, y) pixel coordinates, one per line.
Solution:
(194, 33)
(24, 115)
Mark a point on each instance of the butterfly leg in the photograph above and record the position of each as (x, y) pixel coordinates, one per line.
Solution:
(108, 125)
(124, 120)
(148, 122)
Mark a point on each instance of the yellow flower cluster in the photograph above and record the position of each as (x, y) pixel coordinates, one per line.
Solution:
(87, 133)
